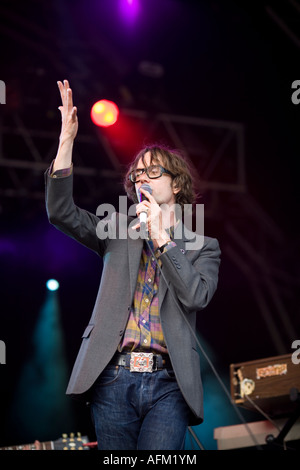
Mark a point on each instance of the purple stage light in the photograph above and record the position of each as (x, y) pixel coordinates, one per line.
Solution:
(129, 9)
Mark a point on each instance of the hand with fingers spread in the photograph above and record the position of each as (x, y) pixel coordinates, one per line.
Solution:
(69, 127)
(69, 119)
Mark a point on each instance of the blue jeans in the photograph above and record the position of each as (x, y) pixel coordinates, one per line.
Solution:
(138, 411)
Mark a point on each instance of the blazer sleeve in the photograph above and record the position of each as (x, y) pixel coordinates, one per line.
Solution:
(75, 222)
(194, 276)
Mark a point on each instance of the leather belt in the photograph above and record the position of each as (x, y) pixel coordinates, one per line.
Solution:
(141, 361)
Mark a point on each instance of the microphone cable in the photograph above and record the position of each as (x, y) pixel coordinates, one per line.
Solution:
(239, 414)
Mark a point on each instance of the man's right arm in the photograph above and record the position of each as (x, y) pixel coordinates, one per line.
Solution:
(62, 212)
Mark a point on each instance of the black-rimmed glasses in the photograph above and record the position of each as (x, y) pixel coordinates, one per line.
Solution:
(152, 171)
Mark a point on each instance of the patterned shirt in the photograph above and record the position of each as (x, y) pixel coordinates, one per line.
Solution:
(143, 330)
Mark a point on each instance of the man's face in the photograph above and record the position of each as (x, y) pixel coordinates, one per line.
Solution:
(162, 189)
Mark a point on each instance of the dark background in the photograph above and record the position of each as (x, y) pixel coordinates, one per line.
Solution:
(222, 73)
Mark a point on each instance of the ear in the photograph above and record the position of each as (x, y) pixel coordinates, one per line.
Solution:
(175, 189)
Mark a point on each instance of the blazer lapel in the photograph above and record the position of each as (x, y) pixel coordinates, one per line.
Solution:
(135, 247)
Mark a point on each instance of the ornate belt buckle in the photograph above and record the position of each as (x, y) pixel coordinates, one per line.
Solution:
(141, 362)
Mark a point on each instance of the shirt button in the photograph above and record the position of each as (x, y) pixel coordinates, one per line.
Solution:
(145, 341)
(147, 300)
(149, 280)
(144, 321)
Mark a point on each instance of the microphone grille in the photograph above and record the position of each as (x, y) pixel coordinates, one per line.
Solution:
(147, 187)
(141, 196)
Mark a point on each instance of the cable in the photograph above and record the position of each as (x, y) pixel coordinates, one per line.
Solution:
(262, 413)
(205, 355)
(265, 416)
(196, 439)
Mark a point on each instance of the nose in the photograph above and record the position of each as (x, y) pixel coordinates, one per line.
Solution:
(144, 178)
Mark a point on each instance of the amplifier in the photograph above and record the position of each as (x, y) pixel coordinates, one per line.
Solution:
(271, 384)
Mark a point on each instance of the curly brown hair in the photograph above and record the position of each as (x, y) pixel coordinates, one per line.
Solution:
(172, 160)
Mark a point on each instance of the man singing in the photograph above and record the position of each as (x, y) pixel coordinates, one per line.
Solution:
(138, 364)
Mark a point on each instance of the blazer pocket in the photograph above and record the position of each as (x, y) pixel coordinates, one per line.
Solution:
(87, 331)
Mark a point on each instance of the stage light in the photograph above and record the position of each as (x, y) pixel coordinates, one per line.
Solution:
(104, 113)
(52, 284)
(129, 10)
(40, 406)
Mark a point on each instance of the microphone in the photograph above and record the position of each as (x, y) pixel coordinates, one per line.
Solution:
(142, 197)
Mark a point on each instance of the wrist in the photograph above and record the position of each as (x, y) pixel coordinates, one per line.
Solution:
(65, 141)
(163, 247)
(161, 241)
(63, 157)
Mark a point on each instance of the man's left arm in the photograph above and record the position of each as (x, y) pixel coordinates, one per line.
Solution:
(193, 274)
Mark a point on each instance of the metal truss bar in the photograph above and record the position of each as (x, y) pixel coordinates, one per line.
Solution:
(173, 134)
(265, 275)
(27, 138)
(217, 155)
(283, 313)
(268, 317)
(19, 193)
(250, 208)
(243, 266)
(42, 166)
(168, 120)
(196, 121)
(112, 156)
(243, 244)
(282, 25)
(88, 171)
(83, 138)
(33, 195)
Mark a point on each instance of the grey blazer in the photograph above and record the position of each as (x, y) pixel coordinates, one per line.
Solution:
(189, 276)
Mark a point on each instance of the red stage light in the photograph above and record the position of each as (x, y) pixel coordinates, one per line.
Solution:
(104, 113)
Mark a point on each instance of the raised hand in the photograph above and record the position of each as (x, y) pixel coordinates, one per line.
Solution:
(68, 111)
(69, 127)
